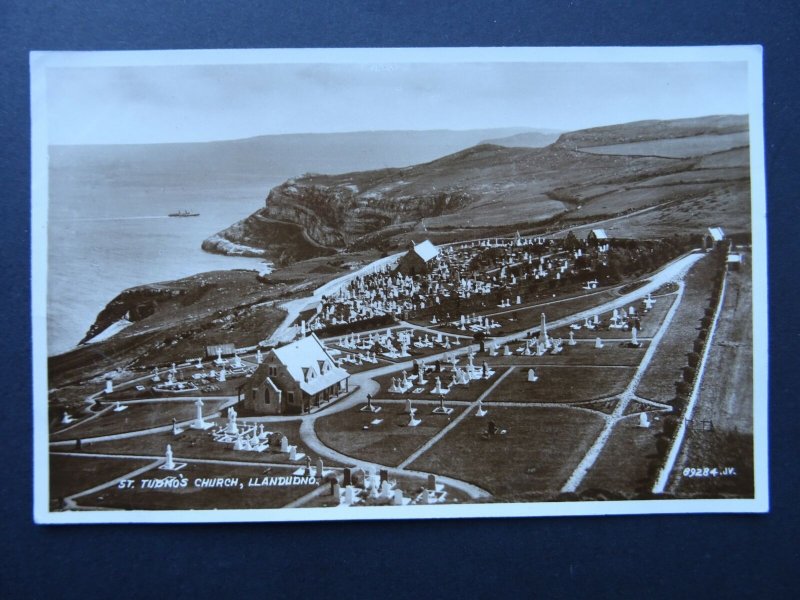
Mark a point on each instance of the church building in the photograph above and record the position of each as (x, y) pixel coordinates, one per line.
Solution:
(294, 378)
(418, 259)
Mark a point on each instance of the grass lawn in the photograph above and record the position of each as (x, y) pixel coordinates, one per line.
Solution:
(562, 384)
(467, 393)
(72, 474)
(629, 462)
(388, 443)
(664, 371)
(191, 497)
(137, 417)
(532, 462)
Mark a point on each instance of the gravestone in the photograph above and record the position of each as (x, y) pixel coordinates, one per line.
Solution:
(480, 412)
(347, 477)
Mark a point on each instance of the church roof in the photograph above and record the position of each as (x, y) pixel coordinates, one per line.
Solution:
(426, 251)
(600, 234)
(310, 365)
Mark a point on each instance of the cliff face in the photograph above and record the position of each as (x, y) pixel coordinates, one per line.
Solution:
(317, 215)
(337, 215)
(133, 305)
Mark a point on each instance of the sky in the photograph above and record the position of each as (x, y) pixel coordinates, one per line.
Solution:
(184, 103)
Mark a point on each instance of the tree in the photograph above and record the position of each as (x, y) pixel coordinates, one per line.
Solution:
(571, 242)
(480, 338)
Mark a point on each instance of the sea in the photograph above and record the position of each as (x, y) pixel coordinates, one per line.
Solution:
(104, 238)
(108, 228)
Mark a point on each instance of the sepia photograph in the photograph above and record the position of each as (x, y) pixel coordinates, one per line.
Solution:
(349, 284)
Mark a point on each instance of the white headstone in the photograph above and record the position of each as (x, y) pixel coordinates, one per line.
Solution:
(170, 463)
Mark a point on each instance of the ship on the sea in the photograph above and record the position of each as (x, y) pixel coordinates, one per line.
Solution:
(184, 213)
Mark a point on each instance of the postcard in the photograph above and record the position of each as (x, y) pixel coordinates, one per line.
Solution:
(349, 284)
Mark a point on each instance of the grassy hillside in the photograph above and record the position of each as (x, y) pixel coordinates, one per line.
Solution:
(688, 173)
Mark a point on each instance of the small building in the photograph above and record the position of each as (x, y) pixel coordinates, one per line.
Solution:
(418, 259)
(294, 378)
(713, 237)
(735, 261)
(597, 236)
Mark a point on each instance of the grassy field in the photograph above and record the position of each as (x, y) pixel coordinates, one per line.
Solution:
(659, 380)
(388, 443)
(72, 474)
(191, 497)
(629, 462)
(725, 402)
(532, 462)
(676, 147)
(137, 417)
(726, 205)
(562, 384)
(639, 197)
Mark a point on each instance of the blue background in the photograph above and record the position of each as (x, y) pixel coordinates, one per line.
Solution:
(708, 555)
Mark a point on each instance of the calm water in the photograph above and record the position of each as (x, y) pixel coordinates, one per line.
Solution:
(108, 227)
(104, 238)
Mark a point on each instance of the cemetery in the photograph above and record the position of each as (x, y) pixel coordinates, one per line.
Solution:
(206, 444)
(137, 416)
(380, 488)
(467, 380)
(562, 383)
(532, 461)
(384, 437)
(500, 274)
(456, 381)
